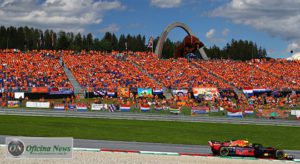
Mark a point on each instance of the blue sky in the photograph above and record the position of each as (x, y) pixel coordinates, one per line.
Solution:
(273, 24)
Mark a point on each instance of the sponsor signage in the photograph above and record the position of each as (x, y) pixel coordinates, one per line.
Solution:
(144, 91)
(13, 104)
(182, 94)
(98, 106)
(58, 91)
(19, 95)
(30, 104)
(208, 93)
(40, 90)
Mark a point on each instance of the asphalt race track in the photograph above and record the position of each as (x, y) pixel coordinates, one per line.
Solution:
(148, 116)
(143, 146)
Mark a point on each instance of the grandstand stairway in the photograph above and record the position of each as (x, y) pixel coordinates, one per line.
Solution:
(77, 88)
(167, 92)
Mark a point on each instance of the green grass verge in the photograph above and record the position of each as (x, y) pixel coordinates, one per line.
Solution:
(148, 131)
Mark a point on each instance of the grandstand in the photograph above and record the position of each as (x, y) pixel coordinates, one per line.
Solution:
(31, 72)
(46, 74)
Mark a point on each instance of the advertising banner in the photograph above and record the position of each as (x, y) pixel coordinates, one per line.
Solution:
(98, 106)
(40, 90)
(13, 104)
(19, 95)
(182, 94)
(207, 93)
(59, 107)
(144, 92)
(60, 91)
(295, 113)
(30, 104)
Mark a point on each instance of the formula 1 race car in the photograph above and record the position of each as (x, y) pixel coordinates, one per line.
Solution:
(245, 149)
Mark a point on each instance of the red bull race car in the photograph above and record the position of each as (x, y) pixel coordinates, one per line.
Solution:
(246, 149)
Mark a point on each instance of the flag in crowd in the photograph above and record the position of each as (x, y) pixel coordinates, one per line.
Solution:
(249, 110)
(158, 108)
(150, 42)
(145, 108)
(111, 93)
(111, 108)
(124, 108)
(234, 113)
(100, 93)
(174, 109)
(158, 91)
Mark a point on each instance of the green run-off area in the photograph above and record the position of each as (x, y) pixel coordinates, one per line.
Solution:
(149, 131)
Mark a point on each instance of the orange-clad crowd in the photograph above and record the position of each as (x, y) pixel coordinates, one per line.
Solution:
(21, 71)
(242, 75)
(99, 71)
(177, 73)
(289, 71)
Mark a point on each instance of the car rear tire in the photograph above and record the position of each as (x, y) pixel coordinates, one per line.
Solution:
(224, 151)
(279, 154)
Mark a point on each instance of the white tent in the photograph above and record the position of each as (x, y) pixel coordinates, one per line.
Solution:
(296, 56)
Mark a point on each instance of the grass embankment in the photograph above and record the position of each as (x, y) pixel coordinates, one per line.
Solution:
(148, 131)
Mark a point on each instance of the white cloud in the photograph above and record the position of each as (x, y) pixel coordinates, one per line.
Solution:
(55, 14)
(211, 35)
(166, 3)
(110, 28)
(276, 17)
